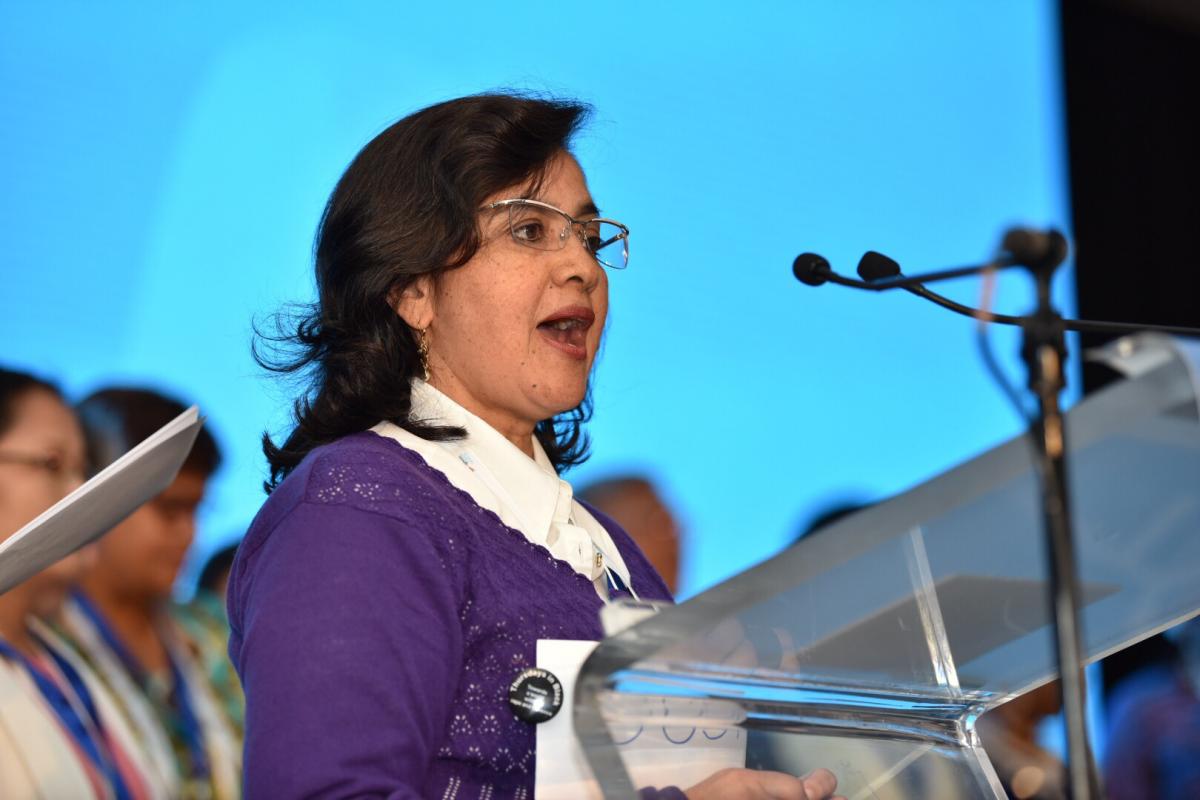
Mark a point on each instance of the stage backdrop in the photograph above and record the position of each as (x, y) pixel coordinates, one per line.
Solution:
(163, 169)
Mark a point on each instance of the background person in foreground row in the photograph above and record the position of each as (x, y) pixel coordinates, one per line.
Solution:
(61, 734)
(119, 617)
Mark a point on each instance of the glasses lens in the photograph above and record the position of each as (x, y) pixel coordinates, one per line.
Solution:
(534, 226)
(609, 243)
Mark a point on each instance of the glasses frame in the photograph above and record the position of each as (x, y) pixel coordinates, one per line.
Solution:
(572, 224)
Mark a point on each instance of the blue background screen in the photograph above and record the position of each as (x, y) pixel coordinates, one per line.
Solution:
(164, 168)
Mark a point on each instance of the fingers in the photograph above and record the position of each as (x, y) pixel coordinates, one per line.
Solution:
(781, 786)
(819, 784)
(747, 784)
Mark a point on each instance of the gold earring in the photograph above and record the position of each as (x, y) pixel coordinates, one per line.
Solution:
(423, 352)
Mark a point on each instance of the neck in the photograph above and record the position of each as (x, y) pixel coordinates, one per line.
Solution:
(517, 431)
(521, 437)
(15, 607)
(133, 619)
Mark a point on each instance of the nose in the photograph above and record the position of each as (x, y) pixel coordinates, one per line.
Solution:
(577, 264)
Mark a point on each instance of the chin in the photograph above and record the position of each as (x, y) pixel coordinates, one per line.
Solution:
(563, 398)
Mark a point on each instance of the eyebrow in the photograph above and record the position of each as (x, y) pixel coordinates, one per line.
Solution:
(588, 210)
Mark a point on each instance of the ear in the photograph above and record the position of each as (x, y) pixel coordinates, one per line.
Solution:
(414, 303)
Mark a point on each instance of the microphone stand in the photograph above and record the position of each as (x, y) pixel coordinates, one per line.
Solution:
(1044, 352)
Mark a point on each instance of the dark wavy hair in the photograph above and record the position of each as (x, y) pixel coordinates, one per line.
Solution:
(406, 206)
(118, 418)
(14, 385)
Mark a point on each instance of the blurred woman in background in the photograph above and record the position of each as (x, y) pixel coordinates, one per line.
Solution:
(61, 735)
(120, 619)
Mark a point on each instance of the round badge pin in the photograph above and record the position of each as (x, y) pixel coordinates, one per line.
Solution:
(535, 695)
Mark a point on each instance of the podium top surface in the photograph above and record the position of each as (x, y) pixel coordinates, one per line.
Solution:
(939, 595)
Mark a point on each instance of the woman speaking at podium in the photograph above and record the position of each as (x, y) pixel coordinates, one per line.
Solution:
(418, 541)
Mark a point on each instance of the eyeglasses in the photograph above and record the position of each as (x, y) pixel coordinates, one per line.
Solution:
(544, 227)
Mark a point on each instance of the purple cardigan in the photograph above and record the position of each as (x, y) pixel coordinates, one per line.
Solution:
(378, 615)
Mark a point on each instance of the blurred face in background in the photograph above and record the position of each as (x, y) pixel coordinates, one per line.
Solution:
(42, 459)
(646, 518)
(141, 556)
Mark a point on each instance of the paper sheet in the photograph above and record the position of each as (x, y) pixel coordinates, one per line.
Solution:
(656, 754)
(96, 506)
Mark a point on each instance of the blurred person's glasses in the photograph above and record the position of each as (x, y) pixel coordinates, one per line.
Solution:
(54, 465)
(544, 227)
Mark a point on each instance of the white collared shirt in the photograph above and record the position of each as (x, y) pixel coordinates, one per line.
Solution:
(525, 493)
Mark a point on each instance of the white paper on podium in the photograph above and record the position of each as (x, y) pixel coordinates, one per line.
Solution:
(657, 755)
(95, 507)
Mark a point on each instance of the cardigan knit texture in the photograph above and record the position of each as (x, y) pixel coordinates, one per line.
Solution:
(379, 614)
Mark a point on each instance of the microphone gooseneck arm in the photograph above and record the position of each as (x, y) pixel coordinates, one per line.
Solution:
(1077, 325)
(880, 273)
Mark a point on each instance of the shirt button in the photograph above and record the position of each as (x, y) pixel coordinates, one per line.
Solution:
(599, 561)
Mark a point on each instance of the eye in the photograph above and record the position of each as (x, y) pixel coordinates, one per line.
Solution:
(529, 231)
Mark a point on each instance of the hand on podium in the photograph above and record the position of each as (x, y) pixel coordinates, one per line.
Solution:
(749, 784)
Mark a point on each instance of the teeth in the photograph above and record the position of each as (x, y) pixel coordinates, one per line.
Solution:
(564, 324)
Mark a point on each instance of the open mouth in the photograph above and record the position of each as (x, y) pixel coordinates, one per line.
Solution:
(567, 330)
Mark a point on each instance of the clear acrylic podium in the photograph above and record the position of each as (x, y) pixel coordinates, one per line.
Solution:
(872, 647)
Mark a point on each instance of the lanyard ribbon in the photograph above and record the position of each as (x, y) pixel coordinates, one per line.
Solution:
(89, 737)
(188, 722)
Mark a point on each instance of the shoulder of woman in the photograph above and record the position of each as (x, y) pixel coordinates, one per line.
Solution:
(356, 513)
(366, 471)
(361, 490)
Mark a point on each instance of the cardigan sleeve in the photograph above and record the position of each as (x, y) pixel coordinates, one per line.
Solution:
(348, 644)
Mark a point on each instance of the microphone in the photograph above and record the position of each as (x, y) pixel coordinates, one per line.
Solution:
(811, 269)
(876, 266)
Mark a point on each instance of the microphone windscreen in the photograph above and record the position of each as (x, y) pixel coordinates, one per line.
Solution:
(810, 269)
(876, 266)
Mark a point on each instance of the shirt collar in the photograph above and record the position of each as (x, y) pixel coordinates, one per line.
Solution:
(532, 485)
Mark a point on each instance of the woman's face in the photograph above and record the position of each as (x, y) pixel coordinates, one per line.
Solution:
(513, 333)
(141, 556)
(46, 437)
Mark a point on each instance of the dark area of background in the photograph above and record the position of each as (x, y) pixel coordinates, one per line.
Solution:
(1132, 79)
